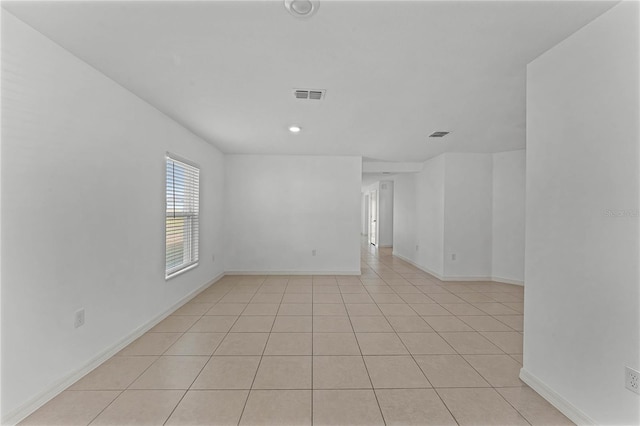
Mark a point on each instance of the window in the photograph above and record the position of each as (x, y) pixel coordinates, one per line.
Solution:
(182, 216)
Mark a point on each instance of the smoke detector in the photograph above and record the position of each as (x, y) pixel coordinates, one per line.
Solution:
(302, 8)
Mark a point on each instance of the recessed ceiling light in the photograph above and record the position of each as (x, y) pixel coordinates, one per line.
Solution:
(438, 134)
(302, 8)
(294, 129)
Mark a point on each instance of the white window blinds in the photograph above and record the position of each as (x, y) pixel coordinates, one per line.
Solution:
(182, 216)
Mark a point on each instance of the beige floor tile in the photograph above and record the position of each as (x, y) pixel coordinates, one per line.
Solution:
(371, 324)
(253, 324)
(447, 323)
(426, 344)
(380, 289)
(196, 344)
(117, 373)
(449, 371)
(242, 344)
(299, 289)
(476, 298)
(209, 407)
(402, 407)
(261, 309)
(399, 372)
(213, 324)
(293, 324)
(416, 298)
(329, 309)
(498, 370)
(363, 309)
(480, 406)
(514, 321)
(346, 407)
(533, 407)
(278, 408)
(413, 324)
(193, 308)
(326, 289)
(484, 323)
(335, 344)
(470, 343)
(508, 341)
(267, 298)
(495, 309)
(297, 298)
(429, 309)
(140, 407)
(380, 344)
(289, 344)
(504, 297)
(328, 324)
(446, 298)
(350, 298)
(516, 306)
(340, 372)
(462, 309)
(237, 298)
(171, 372)
(71, 408)
(396, 309)
(150, 344)
(284, 372)
(229, 309)
(387, 298)
(295, 309)
(327, 298)
(517, 357)
(228, 372)
(407, 290)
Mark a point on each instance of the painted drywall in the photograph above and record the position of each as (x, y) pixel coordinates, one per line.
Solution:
(581, 325)
(280, 208)
(467, 215)
(385, 214)
(419, 216)
(405, 237)
(83, 180)
(507, 259)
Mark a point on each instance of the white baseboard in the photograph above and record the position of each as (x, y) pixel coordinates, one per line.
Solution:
(422, 268)
(239, 272)
(555, 399)
(507, 281)
(449, 278)
(20, 413)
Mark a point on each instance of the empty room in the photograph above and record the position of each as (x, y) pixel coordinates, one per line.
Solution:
(296, 212)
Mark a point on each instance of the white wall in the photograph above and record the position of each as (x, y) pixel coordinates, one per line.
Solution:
(405, 236)
(508, 216)
(83, 177)
(280, 208)
(419, 216)
(467, 215)
(582, 226)
(385, 214)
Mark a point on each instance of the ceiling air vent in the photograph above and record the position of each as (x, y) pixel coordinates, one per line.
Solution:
(438, 134)
(309, 94)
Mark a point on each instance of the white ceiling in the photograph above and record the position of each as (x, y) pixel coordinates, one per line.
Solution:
(394, 71)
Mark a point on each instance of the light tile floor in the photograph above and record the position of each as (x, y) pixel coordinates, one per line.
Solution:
(394, 346)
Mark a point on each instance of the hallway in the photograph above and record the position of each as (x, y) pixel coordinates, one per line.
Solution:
(393, 346)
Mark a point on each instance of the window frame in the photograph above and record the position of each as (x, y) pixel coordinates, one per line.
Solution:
(195, 233)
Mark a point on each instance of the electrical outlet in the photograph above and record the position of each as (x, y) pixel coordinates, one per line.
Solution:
(632, 379)
(79, 318)
(313, 252)
(453, 256)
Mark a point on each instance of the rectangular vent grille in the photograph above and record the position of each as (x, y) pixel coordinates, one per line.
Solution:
(438, 134)
(309, 94)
